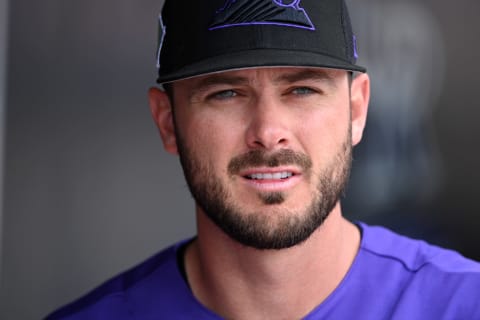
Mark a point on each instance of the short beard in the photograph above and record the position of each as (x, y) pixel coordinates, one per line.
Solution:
(254, 229)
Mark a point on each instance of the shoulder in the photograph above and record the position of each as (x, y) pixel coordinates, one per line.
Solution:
(414, 255)
(424, 277)
(120, 296)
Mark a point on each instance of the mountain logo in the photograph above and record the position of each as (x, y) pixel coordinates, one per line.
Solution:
(253, 12)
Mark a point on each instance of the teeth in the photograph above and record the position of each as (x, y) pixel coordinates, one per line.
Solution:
(270, 176)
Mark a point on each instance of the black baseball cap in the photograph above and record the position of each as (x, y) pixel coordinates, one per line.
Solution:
(199, 37)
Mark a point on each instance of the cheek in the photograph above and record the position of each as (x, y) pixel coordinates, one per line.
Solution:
(212, 139)
(324, 130)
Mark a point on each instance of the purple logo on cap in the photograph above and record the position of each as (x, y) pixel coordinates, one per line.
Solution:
(161, 36)
(355, 50)
(250, 12)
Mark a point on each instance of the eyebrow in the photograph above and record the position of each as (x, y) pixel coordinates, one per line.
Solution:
(297, 76)
(309, 74)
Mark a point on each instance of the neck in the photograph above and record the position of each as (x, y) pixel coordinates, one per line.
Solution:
(239, 282)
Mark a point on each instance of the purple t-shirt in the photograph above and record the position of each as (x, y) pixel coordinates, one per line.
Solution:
(392, 277)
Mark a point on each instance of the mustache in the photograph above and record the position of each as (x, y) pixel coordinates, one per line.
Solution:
(258, 158)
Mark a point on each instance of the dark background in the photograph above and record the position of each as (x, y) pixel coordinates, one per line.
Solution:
(88, 190)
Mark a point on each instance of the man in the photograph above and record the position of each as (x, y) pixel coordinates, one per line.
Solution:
(263, 102)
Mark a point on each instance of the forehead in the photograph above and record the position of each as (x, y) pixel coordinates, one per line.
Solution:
(275, 75)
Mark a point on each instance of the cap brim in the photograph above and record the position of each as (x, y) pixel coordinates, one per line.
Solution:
(258, 58)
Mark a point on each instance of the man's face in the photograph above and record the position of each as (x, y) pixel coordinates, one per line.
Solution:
(266, 152)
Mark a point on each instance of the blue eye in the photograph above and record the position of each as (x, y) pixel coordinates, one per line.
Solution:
(303, 91)
(225, 94)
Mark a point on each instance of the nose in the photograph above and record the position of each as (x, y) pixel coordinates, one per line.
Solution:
(268, 126)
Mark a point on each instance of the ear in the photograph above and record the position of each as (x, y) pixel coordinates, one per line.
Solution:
(161, 109)
(359, 98)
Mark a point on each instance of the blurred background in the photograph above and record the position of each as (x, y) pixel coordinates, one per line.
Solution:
(87, 190)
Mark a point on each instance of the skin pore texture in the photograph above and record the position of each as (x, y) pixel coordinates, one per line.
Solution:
(266, 153)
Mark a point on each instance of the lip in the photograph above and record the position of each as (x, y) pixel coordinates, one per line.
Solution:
(271, 185)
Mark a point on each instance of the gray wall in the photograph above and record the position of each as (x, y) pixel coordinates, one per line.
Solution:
(3, 67)
(90, 192)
